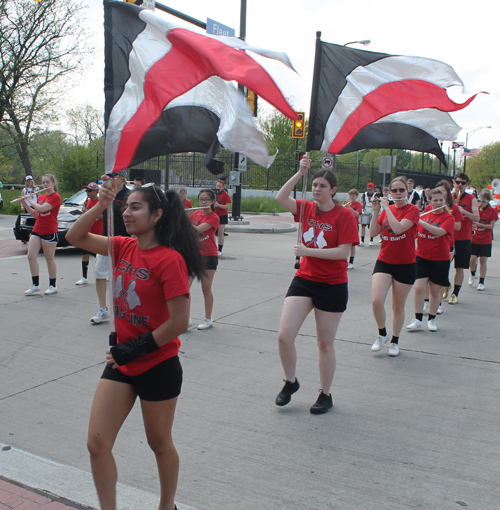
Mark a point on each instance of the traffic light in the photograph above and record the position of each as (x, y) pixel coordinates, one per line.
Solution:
(299, 126)
(136, 2)
(252, 101)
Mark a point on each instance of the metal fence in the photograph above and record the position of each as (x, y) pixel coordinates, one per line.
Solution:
(189, 170)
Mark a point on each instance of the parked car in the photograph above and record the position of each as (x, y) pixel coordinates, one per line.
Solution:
(70, 209)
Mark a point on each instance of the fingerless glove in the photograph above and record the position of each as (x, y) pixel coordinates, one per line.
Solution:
(126, 352)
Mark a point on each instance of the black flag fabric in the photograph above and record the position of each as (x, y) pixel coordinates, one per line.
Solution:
(362, 100)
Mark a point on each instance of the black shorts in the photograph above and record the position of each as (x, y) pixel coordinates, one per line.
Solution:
(325, 296)
(162, 382)
(480, 250)
(211, 262)
(436, 270)
(224, 220)
(402, 273)
(462, 254)
(48, 238)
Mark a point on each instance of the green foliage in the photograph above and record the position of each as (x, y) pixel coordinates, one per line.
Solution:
(486, 167)
(15, 208)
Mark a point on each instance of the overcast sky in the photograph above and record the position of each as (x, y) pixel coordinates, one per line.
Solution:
(460, 33)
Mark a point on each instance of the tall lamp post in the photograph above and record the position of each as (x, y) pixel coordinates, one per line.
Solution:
(469, 135)
(364, 42)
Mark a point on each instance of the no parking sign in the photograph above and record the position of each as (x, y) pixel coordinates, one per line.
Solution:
(327, 163)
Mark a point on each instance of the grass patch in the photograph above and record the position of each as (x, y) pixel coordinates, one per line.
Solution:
(253, 204)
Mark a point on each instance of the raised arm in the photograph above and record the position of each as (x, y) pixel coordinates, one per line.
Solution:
(283, 197)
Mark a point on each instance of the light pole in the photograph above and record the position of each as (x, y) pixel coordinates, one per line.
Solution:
(469, 135)
(364, 42)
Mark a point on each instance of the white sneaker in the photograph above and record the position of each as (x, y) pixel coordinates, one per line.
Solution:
(219, 253)
(101, 315)
(426, 306)
(350, 266)
(206, 324)
(379, 343)
(32, 290)
(431, 325)
(370, 243)
(471, 279)
(415, 324)
(439, 311)
(361, 244)
(480, 286)
(393, 350)
(50, 290)
(82, 281)
(380, 240)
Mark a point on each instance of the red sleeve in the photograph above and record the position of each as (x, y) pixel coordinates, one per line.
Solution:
(449, 223)
(457, 213)
(413, 215)
(172, 274)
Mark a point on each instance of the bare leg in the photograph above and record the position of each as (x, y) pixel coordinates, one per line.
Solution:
(158, 420)
(49, 250)
(420, 290)
(483, 266)
(459, 276)
(473, 263)
(327, 324)
(295, 311)
(208, 297)
(400, 292)
(34, 245)
(381, 283)
(436, 291)
(220, 235)
(113, 402)
(100, 287)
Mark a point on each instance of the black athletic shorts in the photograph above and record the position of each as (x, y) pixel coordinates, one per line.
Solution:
(224, 220)
(436, 270)
(462, 254)
(402, 273)
(162, 382)
(211, 262)
(480, 250)
(48, 238)
(325, 296)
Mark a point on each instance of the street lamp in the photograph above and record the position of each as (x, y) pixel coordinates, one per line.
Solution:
(364, 42)
(469, 135)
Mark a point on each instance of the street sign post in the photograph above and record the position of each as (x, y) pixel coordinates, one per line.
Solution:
(216, 28)
(327, 163)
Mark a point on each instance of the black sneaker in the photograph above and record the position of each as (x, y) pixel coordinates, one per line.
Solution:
(323, 403)
(285, 395)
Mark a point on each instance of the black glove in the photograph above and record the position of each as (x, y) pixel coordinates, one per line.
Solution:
(126, 352)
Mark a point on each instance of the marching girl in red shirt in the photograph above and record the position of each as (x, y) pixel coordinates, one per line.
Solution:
(433, 258)
(395, 266)
(183, 193)
(482, 238)
(222, 206)
(44, 233)
(151, 311)
(328, 231)
(206, 223)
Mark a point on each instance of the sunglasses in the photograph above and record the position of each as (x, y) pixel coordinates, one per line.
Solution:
(462, 183)
(398, 190)
(152, 185)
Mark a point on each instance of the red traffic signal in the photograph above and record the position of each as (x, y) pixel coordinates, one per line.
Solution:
(299, 126)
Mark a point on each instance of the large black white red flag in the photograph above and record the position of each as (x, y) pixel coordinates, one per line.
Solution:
(168, 90)
(364, 100)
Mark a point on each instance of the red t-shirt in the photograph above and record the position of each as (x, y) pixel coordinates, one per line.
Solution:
(399, 249)
(485, 235)
(144, 281)
(465, 232)
(457, 214)
(223, 199)
(326, 230)
(208, 246)
(46, 222)
(358, 207)
(187, 204)
(97, 226)
(433, 247)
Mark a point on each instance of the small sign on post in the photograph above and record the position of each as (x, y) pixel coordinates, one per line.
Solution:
(242, 163)
(327, 163)
(385, 165)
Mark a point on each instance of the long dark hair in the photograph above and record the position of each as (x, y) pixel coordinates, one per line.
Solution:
(211, 194)
(174, 229)
(332, 181)
(447, 186)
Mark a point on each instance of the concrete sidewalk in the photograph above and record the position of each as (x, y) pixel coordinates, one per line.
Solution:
(416, 431)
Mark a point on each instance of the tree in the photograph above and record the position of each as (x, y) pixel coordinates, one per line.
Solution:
(41, 43)
(486, 167)
(86, 122)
